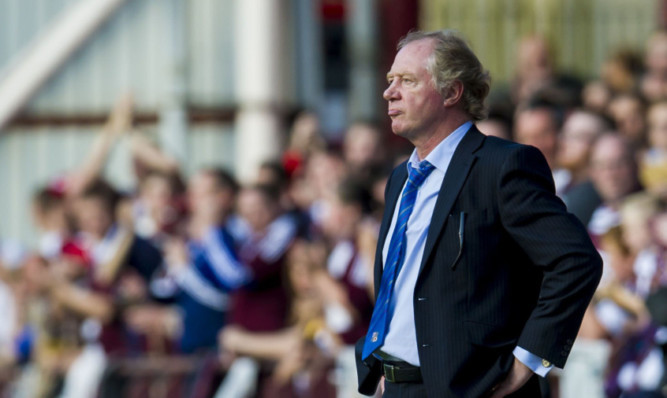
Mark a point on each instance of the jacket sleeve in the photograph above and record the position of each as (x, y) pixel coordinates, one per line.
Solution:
(369, 371)
(555, 241)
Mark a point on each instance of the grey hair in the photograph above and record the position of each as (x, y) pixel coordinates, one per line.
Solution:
(452, 60)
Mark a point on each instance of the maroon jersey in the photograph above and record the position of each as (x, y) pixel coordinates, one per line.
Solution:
(263, 305)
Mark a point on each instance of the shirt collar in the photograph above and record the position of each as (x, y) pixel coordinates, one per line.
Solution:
(442, 154)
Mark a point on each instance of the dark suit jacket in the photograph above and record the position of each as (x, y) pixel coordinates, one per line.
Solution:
(522, 273)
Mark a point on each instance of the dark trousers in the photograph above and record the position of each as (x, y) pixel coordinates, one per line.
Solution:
(417, 390)
(404, 390)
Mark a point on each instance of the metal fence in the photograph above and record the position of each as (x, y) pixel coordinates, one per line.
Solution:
(582, 33)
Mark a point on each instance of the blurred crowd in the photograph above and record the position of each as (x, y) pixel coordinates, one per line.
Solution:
(197, 286)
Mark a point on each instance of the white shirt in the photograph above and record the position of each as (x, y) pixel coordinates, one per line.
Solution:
(401, 338)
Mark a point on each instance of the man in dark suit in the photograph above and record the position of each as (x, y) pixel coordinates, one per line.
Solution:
(482, 277)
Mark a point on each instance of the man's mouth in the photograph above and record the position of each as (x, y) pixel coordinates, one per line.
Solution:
(393, 112)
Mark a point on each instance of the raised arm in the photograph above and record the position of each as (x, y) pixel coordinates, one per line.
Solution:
(119, 122)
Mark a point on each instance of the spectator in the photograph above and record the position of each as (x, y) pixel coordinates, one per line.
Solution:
(636, 213)
(121, 266)
(363, 149)
(206, 268)
(324, 172)
(536, 76)
(628, 112)
(158, 211)
(635, 366)
(305, 139)
(51, 218)
(580, 130)
(352, 270)
(300, 354)
(539, 126)
(534, 68)
(273, 174)
(497, 125)
(613, 171)
(261, 306)
(622, 71)
(596, 96)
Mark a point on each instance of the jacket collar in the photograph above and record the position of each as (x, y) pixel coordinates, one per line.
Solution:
(462, 161)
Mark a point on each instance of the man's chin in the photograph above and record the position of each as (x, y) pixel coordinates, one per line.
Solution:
(402, 133)
(398, 129)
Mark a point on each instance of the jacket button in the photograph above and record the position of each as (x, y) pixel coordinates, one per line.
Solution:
(421, 298)
(425, 345)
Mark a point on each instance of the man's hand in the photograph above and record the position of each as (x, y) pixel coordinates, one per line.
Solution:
(517, 377)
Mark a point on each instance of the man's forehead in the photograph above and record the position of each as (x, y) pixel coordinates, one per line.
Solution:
(609, 148)
(412, 54)
(419, 48)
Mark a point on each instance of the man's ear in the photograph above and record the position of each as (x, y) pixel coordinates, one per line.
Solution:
(453, 94)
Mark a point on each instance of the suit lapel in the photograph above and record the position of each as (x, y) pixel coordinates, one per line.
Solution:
(396, 182)
(457, 172)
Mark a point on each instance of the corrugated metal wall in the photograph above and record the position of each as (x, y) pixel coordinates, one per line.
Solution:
(582, 32)
(21, 21)
(128, 53)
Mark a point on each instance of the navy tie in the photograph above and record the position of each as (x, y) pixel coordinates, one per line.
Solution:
(395, 257)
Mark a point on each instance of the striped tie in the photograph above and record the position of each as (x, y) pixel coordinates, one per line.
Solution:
(395, 257)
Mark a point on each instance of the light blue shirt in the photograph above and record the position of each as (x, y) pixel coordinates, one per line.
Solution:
(401, 338)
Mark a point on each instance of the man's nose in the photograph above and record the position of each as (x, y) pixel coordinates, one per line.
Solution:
(390, 93)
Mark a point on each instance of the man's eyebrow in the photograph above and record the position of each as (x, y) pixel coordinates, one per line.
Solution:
(399, 74)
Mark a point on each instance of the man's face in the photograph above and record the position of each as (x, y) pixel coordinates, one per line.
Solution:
(415, 106)
(340, 219)
(362, 146)
(629, 117)
(579, 132)
(611, 169)
(92, 216)
(207, 201)
(536, 128)
(256, 210)
(156, 192)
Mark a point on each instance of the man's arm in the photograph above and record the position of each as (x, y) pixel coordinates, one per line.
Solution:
(558, 243)
(555, 241)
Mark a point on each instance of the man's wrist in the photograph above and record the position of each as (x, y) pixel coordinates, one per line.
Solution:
(538, 365)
